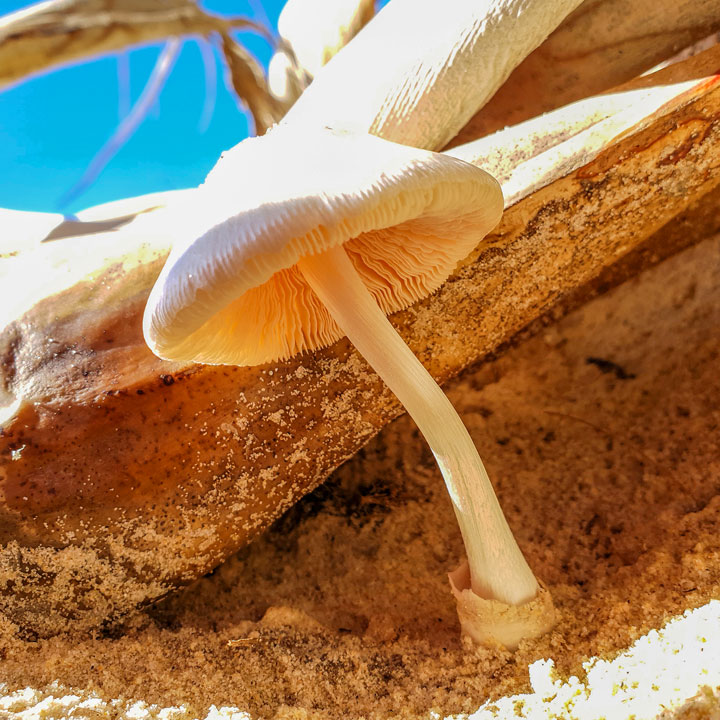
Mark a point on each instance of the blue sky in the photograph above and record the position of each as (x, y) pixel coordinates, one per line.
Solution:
(52, 126)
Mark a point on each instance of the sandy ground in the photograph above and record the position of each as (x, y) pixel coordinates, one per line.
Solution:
(601, 436)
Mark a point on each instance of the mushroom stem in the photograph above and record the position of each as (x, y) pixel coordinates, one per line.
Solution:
(498, 569)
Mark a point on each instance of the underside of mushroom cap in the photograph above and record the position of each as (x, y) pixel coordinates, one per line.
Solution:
(231, 293)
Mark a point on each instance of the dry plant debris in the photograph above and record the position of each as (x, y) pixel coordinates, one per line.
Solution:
(51, 34)
(250, 85)
(597, 47)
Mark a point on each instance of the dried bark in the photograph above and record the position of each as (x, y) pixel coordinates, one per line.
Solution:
(600, 45)
(415, 75)
(123, 477)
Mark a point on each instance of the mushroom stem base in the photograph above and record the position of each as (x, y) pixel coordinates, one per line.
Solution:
(497, 567)
(491, 622)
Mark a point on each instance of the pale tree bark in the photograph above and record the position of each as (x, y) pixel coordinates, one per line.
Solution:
(600, 45)
(416, 74)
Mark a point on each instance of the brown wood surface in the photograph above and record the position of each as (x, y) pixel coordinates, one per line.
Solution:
(123, 477)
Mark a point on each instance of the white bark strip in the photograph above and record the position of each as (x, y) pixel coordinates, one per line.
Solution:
(599, 46)
(418, 71)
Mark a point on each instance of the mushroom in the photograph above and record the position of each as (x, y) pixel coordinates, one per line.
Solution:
(354, 228)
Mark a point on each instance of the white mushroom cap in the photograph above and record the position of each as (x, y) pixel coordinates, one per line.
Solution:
(230, 292)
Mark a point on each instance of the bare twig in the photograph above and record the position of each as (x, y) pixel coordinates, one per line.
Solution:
(54, 33)
(597, 428)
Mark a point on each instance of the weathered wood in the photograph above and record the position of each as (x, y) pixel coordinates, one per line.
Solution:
(600, 45)
(527, 156)
(416, 75)
(122, 477)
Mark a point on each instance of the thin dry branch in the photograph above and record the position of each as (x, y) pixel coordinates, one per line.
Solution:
(123, 477)
(54, 33)
(128, 126)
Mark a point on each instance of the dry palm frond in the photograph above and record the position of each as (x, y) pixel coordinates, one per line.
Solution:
(58, 32)
(54, 33)
(250, 85)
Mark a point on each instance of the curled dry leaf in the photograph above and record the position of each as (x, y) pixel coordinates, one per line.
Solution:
(123, 476)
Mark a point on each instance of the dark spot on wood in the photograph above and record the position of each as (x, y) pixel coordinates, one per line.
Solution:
(591, 523)
(608, 366)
